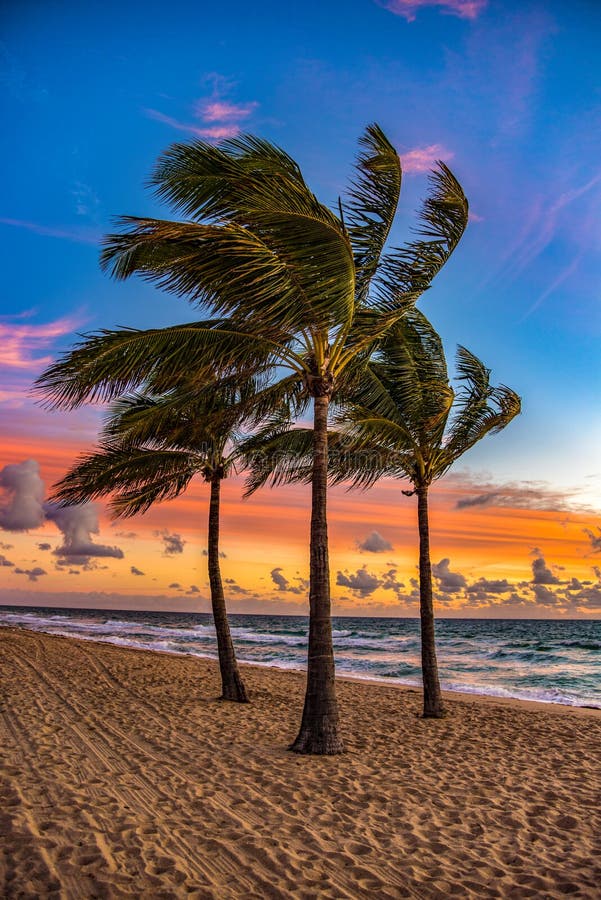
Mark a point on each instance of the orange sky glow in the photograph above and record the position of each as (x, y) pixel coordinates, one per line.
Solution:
(484, 539)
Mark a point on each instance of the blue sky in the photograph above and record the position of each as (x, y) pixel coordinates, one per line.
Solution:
(507, 93)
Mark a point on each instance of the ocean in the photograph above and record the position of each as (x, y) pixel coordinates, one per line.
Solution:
(549, 661)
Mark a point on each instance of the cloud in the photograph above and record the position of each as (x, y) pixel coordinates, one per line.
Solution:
(20, 342)
(544, 596)
(222, 555)
(374, 543)
(222, 111)
(543, 221)
(32, 574)
(135, 571)
(360, 582)
(4, 546)
(536, 495)
(214, 132)
(235, 588)
(541, 574)
(485, 586)
(587, 599)
(390, 582)
(77, 524)
(283, 584)
(172, 543)
(595, 539)
(217, 117)
(193, 589)
(21, 506)
(4, 562)
(422, 159)
(44, 546)
(448, 582)
(464, 9)
(479, 500)
(78, 235)
(86, 199)
(559, 279)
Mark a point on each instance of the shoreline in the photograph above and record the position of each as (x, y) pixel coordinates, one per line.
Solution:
(123, 774)
(466, 696)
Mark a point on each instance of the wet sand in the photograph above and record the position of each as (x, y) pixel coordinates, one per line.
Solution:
(122, 775)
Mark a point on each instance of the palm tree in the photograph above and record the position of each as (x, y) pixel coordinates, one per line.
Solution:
(150, 449)
(301, 292)
(404, 421)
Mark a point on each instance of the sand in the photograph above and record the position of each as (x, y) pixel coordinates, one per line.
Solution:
(122, 775)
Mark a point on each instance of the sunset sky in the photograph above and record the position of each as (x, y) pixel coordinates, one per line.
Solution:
(506, 92)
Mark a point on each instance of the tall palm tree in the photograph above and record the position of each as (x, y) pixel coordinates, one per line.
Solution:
(150, 449)
(301, 292)
(404, 420)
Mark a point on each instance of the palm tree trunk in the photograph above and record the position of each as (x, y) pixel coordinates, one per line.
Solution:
(231, 683)
(319, 727)
(433, 705)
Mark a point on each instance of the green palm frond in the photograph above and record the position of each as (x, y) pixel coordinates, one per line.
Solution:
(282, 269)
(406, 413)
(287, 392)
(281, 454)
(265, 237)
(240, 176)
(136, 477)
(180, 421)
(277, 454)
(359, 463)
(107, 364)
(188, 417)
(404, 381)
(409, 270)
(480, 408)
(388, 435)
(372, 204)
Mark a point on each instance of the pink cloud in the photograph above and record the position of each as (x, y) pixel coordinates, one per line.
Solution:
(79, 235)
(221, 111)
(215, 132)
(465, 9)
(220, 119)
(422, 159)
(20, 342)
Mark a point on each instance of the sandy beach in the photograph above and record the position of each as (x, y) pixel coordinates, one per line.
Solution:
(122, 775)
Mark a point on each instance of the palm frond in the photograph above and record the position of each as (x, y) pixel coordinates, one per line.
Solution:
(277, 454)
(225, 182)
(189, 416)
(136, 477)
(390, 435)
(372, 204)
(414, 368)
(107, 364)
(409, 270)
(279, 268)
(480, 409)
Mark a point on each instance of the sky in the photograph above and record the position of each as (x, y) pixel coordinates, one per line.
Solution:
(506, 93)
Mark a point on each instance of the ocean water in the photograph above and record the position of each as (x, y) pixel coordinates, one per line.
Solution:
(557, 662)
